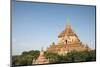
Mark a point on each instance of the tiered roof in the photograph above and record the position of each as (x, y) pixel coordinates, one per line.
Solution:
(67, 32)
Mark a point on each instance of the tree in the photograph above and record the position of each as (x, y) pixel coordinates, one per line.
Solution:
(74, 56)
(25, 58)
(53, 57)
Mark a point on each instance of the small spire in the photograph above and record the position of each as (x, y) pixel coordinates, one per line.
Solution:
(42, 49)
(42, 52)
(68, 25)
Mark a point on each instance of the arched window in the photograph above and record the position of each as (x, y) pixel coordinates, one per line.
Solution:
(66, 41)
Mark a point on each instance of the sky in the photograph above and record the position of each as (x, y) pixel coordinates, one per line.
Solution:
(37, 25)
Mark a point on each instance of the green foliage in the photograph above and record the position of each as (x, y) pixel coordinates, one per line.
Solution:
(81, 56)
(71, 57)
(25, 58)
(74, 56)
(92, 55)
(53, 57)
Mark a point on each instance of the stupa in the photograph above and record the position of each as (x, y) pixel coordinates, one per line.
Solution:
(41, 59)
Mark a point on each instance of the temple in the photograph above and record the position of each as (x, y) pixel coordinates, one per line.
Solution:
(67, 41)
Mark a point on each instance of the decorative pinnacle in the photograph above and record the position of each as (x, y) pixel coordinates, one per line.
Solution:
(68, 25)
(42, 49)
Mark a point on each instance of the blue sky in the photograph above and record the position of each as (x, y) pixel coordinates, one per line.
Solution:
(37, 25)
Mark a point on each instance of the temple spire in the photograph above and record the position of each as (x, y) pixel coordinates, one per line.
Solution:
(68, 26)
(42, 49)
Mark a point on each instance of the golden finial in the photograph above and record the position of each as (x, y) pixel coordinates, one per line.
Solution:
(68, 25)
